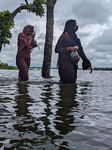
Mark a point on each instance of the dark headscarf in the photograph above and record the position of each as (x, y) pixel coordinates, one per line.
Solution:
(71, 28)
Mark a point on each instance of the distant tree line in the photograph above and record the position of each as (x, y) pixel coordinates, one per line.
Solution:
(102, 68)
(3, 64)
(6, 66)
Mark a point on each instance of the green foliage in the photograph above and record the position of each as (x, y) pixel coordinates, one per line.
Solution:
(3, 64)
(5, 33)
(6, 66)
(40, 10)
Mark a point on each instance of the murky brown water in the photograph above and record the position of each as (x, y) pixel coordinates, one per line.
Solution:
(42, 114)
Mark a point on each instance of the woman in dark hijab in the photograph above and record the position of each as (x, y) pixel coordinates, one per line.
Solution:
(26, 44)
(68, 43)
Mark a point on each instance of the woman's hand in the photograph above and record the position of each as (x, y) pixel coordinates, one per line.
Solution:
(91, 70)
(73, 49)
(33, 35)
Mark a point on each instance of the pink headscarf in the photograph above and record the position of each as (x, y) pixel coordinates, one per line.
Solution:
(28, 30)
(26, 37)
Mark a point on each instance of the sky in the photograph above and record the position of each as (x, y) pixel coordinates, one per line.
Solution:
(94, 18)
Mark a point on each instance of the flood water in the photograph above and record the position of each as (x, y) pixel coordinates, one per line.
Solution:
(42, 114)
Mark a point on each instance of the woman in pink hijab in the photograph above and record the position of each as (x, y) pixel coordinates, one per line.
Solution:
(26, 44)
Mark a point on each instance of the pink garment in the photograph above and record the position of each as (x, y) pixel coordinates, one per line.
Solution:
(26, 43)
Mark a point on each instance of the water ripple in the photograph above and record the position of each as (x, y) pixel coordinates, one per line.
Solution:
(43, 114)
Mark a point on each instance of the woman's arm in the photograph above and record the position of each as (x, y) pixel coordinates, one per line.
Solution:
(86, 64)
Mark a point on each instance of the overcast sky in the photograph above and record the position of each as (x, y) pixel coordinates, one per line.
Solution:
(94, 18)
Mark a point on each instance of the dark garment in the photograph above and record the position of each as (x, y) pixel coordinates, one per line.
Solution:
(68, 69)
(23, 63)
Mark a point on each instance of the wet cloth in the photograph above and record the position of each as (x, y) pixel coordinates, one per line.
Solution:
(26, 43)
(68, 69)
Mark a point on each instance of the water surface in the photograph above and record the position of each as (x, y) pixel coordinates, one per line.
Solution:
(42, 114)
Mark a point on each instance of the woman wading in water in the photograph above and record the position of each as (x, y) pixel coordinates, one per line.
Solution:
(26, 44)
(68, 43)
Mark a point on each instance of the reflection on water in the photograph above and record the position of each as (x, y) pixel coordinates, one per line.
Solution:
(22, 99)
(45, 115)
(65, 105)
(58, 122)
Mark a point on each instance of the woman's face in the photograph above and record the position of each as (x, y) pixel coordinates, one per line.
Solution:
(33, 34)
(75, 23)
(75, 27)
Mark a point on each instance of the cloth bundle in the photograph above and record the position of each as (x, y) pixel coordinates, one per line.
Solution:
(75, 56)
